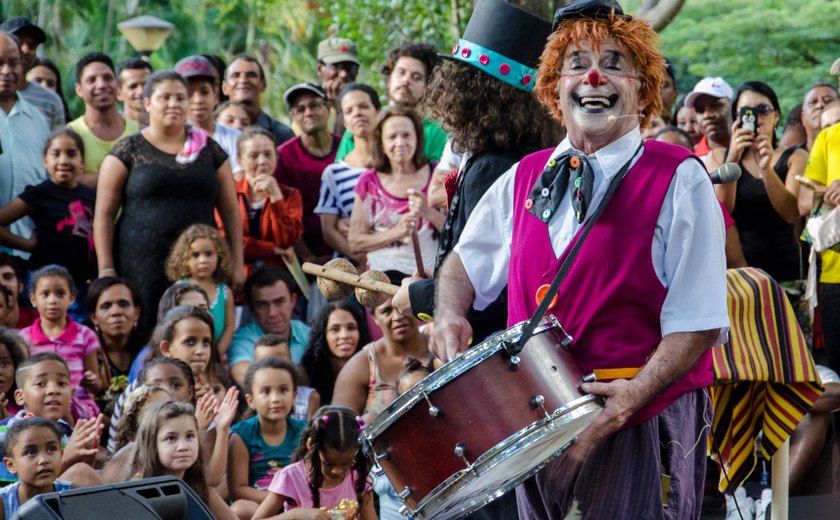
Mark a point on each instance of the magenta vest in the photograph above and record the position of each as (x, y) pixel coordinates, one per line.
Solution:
(611, 299)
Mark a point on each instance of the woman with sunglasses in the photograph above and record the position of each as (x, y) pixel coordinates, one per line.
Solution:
(764, 200)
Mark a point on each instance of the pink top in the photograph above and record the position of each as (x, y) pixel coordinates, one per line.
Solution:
(73, 345)
(383, 210)
(293, 482)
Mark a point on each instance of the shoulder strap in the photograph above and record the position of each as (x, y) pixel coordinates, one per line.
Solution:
(528, 331)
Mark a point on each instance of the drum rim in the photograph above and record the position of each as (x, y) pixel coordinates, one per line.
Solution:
(535, 432)
(448, 372)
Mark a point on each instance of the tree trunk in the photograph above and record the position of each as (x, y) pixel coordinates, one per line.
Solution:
(660, 12)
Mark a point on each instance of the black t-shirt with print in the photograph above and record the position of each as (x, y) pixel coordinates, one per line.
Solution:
(63, 220)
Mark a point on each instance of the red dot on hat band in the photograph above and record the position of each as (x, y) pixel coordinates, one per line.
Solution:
(504, 69)
(455, 49)
(484, 59)
(466, 53)
(526, 79)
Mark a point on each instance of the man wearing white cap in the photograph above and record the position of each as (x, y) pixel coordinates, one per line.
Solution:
(711, 100)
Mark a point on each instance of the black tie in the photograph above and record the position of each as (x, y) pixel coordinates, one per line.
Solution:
(547, 193)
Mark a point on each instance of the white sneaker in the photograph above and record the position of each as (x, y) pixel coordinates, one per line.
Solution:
(762, 505)
(739, 506)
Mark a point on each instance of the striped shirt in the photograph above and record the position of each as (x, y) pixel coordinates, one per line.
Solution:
(338, 184)
(47, 102)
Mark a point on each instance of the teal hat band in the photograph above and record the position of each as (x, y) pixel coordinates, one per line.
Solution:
(500, 67)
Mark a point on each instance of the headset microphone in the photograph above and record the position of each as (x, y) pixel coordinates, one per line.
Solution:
(613, 118)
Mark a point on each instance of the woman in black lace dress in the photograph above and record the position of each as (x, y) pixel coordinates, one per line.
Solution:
(155, 184)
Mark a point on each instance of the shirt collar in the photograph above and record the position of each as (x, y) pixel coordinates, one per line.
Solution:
(609, 159)
(37, 335)
(62, 425)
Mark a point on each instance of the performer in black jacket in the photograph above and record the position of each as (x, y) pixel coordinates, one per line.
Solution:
(483, 98)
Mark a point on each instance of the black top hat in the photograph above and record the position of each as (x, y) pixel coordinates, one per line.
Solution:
(504, 41)
(21, 24)
(586, 9)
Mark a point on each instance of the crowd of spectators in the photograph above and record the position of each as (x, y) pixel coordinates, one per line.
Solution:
(151, 253)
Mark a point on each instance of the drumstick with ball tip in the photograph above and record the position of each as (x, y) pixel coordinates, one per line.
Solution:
(337, 278)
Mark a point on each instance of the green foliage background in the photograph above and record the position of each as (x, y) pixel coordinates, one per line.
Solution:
(788, 43)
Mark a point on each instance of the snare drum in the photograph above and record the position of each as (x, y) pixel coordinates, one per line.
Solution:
(481, 424)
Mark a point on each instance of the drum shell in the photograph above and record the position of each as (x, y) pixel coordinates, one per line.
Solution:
(481, 408)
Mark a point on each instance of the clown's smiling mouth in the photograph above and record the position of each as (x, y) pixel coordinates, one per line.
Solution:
(595, 104)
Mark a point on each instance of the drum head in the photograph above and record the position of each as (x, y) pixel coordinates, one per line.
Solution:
(504, 468)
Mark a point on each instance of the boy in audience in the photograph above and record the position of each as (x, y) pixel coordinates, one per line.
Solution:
(34, 456)
(307, 399)
(203, 93)
(44, 390)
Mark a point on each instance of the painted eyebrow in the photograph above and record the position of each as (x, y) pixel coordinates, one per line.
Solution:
(614, 58)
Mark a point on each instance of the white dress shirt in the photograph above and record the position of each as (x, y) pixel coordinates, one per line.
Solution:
(687, 249)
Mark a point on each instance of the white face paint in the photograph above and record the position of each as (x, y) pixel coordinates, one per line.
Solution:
(597, 89)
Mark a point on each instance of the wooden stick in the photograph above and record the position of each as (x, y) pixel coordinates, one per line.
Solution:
(350, 279)
(293, 265)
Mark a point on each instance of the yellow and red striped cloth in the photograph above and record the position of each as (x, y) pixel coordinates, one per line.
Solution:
(765, 377)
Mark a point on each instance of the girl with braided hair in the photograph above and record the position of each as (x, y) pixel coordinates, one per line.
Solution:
(330, 474)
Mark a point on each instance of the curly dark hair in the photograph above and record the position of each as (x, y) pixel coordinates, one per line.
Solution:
(316, 357)
(336, 427)
(423, 52)
(482, 114)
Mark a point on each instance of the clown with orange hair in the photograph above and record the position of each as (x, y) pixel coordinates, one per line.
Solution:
(629, 238)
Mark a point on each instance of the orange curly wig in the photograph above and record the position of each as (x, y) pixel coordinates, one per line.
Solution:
(634, 36)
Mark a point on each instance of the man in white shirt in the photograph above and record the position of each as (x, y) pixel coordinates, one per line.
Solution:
(23, 131)
(644, 298)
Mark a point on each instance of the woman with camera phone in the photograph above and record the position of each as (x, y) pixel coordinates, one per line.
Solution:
(763, 201)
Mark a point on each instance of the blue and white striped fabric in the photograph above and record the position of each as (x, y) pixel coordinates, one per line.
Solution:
(338, 183)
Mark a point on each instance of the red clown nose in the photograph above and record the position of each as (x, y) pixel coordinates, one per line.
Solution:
(595, 79)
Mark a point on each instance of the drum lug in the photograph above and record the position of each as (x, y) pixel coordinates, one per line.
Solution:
(513, 363)
(460, 451)
(566, 342)
(404, 493)
(434, 411)
(407, 512)
(384, 455)
(588, 378)
(539, 401)
(377, 470)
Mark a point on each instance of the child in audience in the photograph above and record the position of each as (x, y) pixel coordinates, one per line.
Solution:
(52, 294)
(414, 372)
(12, 353)
(33, 453)
(230, 113)
(330, 472)
(307, 399)
(185, 333)
(167, 443)
(61, 210)
(201, 257)
(44, 390)
(174, 376)
(175, 295)
(7, 304)
(137, 401)
(263, 444)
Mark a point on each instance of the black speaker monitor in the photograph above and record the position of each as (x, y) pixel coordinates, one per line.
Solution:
(158, 498)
